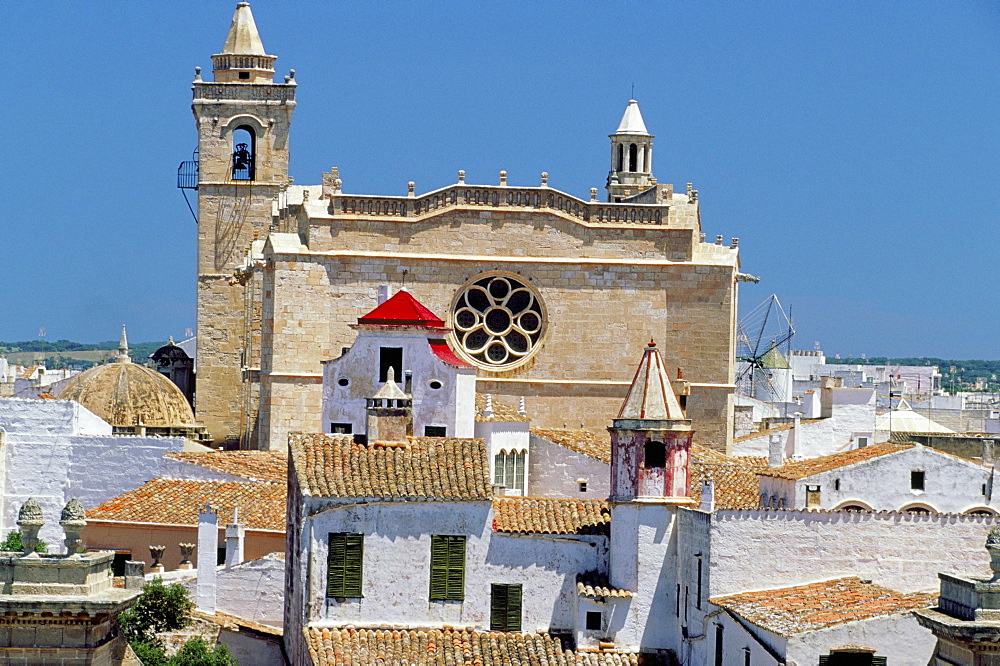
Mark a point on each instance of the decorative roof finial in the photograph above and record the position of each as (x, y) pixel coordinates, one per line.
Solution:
(993, 548)
(488, 409)
(123, 356)
(73, 520)
(521, 411)
(29, 521)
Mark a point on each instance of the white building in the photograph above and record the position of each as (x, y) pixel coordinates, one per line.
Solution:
(883, 477)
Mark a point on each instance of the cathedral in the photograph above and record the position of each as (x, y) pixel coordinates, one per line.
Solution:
(545, 295)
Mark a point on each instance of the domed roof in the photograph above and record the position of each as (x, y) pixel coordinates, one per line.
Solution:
(123, 393)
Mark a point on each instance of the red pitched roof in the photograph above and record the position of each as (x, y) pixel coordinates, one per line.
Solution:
(402, 310)
(444, 352)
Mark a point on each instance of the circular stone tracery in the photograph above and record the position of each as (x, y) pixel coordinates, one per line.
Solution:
(498, 321)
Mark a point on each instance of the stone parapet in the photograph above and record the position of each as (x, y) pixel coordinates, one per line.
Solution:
(84, 574)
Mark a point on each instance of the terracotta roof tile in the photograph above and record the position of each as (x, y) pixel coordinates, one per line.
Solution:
(804, 468)
(791, 610)
(422, 468)
(253, 465)
(501, 412)
(582, 441)
(426, 647)
(177, 502)
(595, 585)
(735, 478)
(551, 516)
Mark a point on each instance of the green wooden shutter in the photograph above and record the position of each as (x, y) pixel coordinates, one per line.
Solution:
(513, 608)
(336, 562)
(456, 567)
(498, 607)
(439, 567)
(879, 661)
(355, 549)
(344, 565)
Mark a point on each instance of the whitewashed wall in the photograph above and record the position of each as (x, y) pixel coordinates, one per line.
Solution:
(898, 637)
(951, 485)
(452, 405)
(49, 454)
(508, 437)
(554, 471)
(253, 590)
(762, 549)
(396, 573)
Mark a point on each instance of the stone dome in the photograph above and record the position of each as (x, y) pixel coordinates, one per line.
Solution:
(125, 394)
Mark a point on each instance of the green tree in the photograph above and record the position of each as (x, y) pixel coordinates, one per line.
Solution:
(13, 543)
(159, 608)
(197, 652)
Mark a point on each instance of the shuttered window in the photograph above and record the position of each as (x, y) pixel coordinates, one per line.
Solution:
(447, 568)
(343, 565)
(505, 608)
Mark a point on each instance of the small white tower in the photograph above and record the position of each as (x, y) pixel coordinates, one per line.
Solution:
(631, 156)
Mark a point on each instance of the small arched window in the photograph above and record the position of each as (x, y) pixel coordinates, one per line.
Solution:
(621, 157)
(244, 153)
(656, 454)
(508, 471)
(633, 157)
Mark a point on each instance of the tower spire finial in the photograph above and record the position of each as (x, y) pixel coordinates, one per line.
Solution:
(243, 59)
(123, 356)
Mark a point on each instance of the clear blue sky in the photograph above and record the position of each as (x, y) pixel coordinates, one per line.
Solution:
(852, 146)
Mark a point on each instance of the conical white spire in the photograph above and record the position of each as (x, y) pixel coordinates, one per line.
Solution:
(123, 356)
(651, 396)
(243, 38)
(632, 120)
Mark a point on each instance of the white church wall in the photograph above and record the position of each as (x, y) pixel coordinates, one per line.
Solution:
(737, 641)
(555, 471)
(396, 570)
(45, 459)
(253, 590)
(763, 549)
(898, 637)
(689, 597)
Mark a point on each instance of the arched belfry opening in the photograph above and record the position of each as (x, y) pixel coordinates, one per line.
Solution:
(633, 158)
(244, 153)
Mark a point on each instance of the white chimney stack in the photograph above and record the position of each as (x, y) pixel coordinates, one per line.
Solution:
(208, 553)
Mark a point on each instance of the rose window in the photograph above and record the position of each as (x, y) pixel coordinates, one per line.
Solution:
(498, 320)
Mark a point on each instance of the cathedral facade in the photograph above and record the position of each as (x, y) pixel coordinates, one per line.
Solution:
(545, 294)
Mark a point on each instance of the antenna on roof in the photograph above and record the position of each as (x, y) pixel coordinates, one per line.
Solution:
(403, 288)
(632, 96)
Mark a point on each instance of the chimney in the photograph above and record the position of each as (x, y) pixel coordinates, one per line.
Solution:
(796, 449)
(383, 293)
(775, 451)
(235, 536)
(208, 554)
(408, 382)
(708, 496)
(988, 452)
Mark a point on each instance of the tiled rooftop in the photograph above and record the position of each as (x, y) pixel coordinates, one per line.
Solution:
(736, 483)
(804, 468)
(791, 610)
(422, 468)
(177, 502)
(535, 515)
(501, 412)
(596, 585)
(582, 441)
(253, 465)
(415, 647)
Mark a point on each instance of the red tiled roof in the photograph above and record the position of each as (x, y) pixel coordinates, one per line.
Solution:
(735, 477)
(444, 352)
(790, 610)
(402, 309)
(252, 465)
(537, 515)
(804, 468)
(177, 502)
(596, 585)
(582, 441)
(501, 412)
(430, 647)
(437, 468)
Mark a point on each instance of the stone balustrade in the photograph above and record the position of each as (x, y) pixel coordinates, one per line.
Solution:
(486, 196)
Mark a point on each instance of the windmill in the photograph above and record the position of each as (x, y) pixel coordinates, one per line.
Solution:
(760, 363)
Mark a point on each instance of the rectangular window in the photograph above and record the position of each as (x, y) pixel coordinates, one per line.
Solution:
(916, 480)
(583, 486)
(812, 497)
(390, 357)
(697, 600)
(498, 465)
(593, 620)
(836, 484)
(505, 607)
(341, 428)
(862, 442)
(718, 645)
(435, 431)
(746, 656)
(343, 564)
(447, 568)
(655, 455)
(519, 472)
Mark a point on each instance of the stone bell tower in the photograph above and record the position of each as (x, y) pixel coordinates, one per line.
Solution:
(631, 156)
(243, 121)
